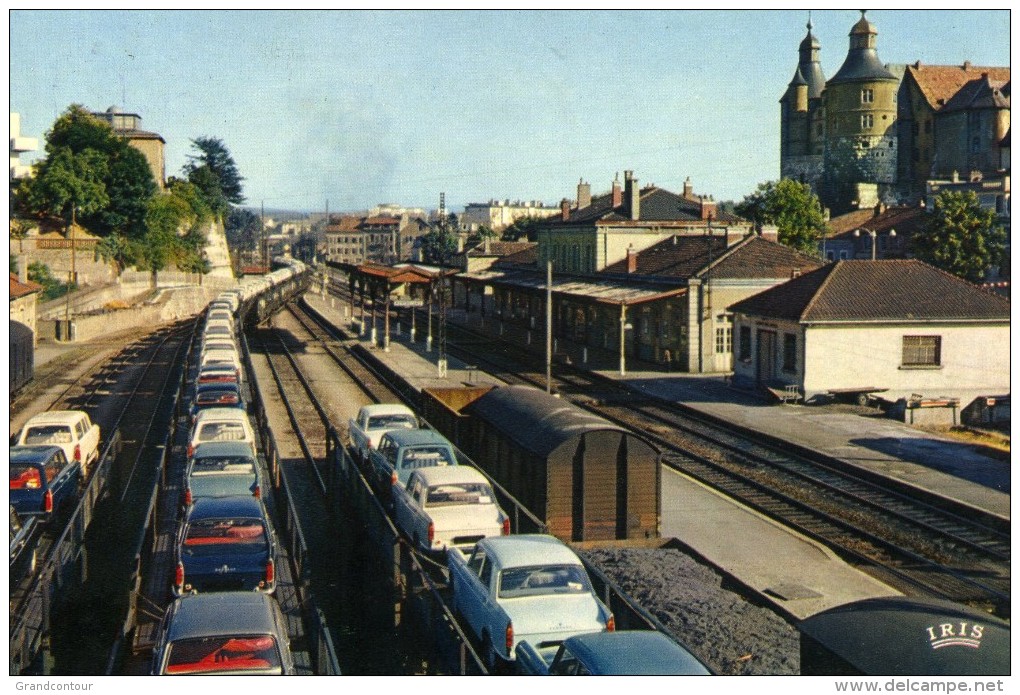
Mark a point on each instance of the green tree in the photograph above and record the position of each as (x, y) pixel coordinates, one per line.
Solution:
(523, 229)
(68, 184)
(243, 228)
(130, 186)
(119, 251)
(790, 206)
(215, 174)
(52, 287)
(961, 237)
(166, 216)
(439, 244)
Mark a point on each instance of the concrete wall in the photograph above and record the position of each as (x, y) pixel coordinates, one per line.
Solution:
(974, 359)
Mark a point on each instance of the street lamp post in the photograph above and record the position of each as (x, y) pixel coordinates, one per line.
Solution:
(874, 238)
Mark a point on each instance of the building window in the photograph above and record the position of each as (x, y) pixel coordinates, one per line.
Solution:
(745, 343)
(867, 96)
(723, 340)
(922, 350)
(867, 120)
(789, 352)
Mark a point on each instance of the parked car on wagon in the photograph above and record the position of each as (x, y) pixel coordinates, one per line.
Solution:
(232, 633)
(624, 653)
(221, 425)
(216, 395)
(221, 469)
(373, 421)
(222, 373)
(71, 430)
(448, 507)
(402, 451)
(43, 481)
(524, 588)
(225, 544)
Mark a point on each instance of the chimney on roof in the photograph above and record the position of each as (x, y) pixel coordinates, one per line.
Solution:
(632, 194)
(917, 64)
(565, 209)
(688, 188)
(966, 65)
(707, 208)
(631, 259)
(879, 208)
(583, 194)
(486, 246)
(770, 232)
(617, 192)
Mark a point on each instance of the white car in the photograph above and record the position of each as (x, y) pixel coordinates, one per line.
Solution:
(71, 430)
(221, 425)
(373, 421)
(448, 507)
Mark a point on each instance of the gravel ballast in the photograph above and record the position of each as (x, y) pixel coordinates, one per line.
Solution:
(730, 634)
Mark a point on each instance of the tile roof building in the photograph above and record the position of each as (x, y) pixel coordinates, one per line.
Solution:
(23, 295)
(151, 145)
(900, 326)
(877, 132)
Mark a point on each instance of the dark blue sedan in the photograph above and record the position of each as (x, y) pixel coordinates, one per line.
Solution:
(225, 544)
(623, 653)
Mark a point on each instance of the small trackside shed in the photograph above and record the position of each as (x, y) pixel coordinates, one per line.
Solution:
(900, 636)
(587, 478)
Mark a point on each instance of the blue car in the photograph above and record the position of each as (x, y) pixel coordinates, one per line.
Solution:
(43, 481)
(402, 452)
(221, 469)
(626, 653)
(225, 544)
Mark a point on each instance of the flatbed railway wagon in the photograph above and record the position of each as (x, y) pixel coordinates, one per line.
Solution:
(587, 478)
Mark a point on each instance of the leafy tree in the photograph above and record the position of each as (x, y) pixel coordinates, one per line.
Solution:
(792, 207)
(68, 184)
(523, 229)
(961, 237)
(130, 185)
(215, 174)
(243, 228)
(52, 287)
(438, 244)
(118, 250)
(165, 217)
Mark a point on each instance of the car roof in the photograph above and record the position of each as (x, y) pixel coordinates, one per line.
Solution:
(526, 550)
(223, 613)
(240, 506)
(31, 453)
(633, 653)
(231, 448)
(385, 409)
(56, 416)
(439, 475)
(218, 386)
(412, 437)
(232, 414)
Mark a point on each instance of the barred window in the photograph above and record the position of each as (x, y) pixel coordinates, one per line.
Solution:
(723, 340)
(922, 350)
(745, 342)
(789, 352)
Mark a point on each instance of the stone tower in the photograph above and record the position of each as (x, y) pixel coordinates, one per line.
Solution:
(802, 137)
(861, 140)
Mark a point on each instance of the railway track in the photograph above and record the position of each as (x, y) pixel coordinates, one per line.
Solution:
(923, 548)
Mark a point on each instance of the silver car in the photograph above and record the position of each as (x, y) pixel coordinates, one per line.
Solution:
(231, 633)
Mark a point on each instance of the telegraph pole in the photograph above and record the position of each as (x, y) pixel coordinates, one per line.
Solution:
(442, 284)
(548, 327)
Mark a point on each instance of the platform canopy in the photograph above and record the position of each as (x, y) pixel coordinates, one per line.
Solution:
(599, 291)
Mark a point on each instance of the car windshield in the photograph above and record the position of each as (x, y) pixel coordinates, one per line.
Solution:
(224, 464)
(424, 456)
(459, 494)
(48, 434)
(221, 432)
(224, 654)
(25, 477)
(209, 536)
(541, 580)
(217, 397)
(392, 422)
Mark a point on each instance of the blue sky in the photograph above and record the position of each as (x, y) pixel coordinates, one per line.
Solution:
(360, 108)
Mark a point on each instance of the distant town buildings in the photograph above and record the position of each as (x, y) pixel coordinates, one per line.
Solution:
(877, 133)
(356, 239)
(151, 145)
(19, 146)
(497, 215)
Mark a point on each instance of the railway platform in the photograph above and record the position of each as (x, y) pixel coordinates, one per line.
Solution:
(799, 576)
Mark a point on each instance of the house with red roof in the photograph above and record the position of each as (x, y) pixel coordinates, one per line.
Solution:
(23, 295)
(900, 326)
